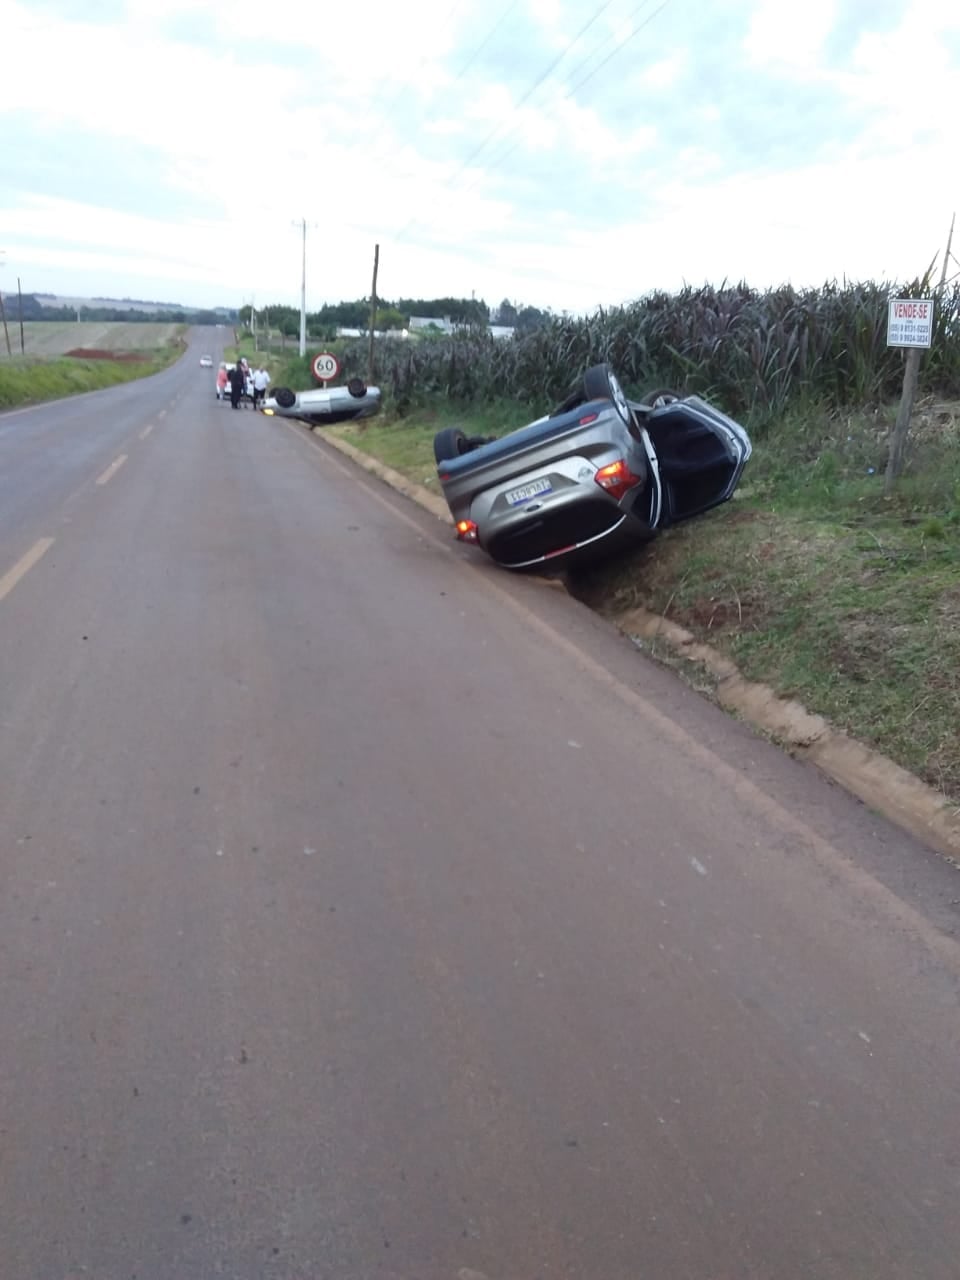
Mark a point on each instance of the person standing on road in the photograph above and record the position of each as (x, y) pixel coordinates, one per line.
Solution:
(222, 379)
(261, 380)
(236, 385)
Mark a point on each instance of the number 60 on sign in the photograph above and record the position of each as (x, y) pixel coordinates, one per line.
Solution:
(325, 366)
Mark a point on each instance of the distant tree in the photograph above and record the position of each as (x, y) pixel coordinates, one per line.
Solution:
(391, 318)
(459, 310)
(530, 318)
(321, 332)
(289, 325)
(506, 313)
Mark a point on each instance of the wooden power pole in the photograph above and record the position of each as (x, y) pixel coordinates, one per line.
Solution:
(20, 311)
(373, 314)
(6, 331)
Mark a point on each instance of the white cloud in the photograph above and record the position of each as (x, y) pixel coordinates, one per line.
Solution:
(366, 121)
(664, 72)
(790, 34)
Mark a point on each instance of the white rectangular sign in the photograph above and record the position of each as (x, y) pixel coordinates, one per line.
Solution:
(910, 322)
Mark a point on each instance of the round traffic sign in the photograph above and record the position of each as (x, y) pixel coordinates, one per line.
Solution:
(325, 366)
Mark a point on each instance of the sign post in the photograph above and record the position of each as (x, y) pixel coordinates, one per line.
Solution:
(325, 367)
(909, 325)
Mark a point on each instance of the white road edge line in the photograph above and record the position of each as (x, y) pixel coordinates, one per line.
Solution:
(146, 431)
(24, 565)
(112, 470)
(162, 413)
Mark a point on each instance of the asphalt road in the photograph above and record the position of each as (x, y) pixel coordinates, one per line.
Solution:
(368, 913)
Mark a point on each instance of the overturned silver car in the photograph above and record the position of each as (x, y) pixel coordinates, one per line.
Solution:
(598, 473)
(324, 406)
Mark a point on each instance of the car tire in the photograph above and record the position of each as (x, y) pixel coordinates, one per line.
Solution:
(357, 388)
(664, 396)
(450, 443)
(285, 398)
(600, 383)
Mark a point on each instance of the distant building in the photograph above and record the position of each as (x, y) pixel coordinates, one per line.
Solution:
(430, 322)
(343, 332)
(446, 325)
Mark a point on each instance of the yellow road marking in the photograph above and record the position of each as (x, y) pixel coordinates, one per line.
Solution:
(24, 565)
(146, 431)
(112, 470)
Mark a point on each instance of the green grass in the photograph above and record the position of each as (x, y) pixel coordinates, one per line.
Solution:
(810, 578)
(46, 373)
(406, 444)
(48, 338)
(24, 382)
(817, 584)
(286, 369)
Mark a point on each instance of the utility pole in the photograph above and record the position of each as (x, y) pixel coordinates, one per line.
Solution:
(6, 332)
(20, 310)
(373, 313)
(303, 295)
(3, 317)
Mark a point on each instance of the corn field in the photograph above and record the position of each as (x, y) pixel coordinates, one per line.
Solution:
(753, 353)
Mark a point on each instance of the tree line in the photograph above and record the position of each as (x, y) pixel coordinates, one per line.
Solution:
(34, 308)
(467, 312)
(323, 323)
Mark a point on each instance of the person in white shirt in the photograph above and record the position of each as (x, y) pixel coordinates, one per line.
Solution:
(261, 380)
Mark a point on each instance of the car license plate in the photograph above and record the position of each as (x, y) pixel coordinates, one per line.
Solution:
(527, 491)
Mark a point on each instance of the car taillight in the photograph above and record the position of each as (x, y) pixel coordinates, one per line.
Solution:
(466, 531)
(616, 478)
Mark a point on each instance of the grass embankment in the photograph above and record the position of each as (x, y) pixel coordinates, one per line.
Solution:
(26, 380)
(286, 367)
(809, 579)
(56, 337)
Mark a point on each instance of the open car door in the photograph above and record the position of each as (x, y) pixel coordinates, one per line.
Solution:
(701, 453)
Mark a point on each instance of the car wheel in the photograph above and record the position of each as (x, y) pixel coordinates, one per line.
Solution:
(600, 383)
(285, 398)
(450, 443)
(357, 388)
(657, 399)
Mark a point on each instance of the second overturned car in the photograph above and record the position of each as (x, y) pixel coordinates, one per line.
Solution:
(324, 406)
(598, 473)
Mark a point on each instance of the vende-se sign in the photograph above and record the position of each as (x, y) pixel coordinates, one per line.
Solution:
(910, 322)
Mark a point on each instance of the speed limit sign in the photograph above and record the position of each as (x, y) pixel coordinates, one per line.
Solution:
(325, 367)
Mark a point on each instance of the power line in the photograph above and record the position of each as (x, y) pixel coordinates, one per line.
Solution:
(485, 41)
(386, 105)
(622, 45)
(597, 14)
(387, 102)
(570, 93)
(497, 159)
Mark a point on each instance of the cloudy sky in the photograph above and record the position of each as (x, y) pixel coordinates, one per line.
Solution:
(565, 153)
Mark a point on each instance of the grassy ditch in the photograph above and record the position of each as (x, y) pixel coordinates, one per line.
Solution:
(809, 579)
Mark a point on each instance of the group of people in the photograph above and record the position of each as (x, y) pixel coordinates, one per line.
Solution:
(242, 381)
